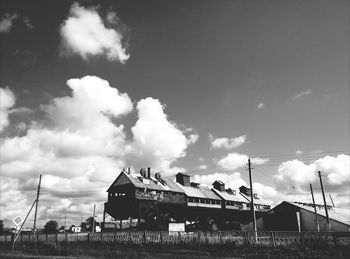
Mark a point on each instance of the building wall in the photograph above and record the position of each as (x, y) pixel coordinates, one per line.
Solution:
(308, 222)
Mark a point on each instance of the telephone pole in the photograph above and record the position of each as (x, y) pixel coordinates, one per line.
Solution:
(313, 201)
(252, 199)
(330, 196)
(93, 220)
(324, 201)
(36, 205)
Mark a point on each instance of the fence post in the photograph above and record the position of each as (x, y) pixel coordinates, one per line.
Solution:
(144, 236)
(88, 237)
(161, 237)
(46, 236)
(56, 238)
(30, 236)
(12, 237)
(179, 235)
(199, 237)
(335, 239)
(220, 237)
(5, 238)
(272, 235)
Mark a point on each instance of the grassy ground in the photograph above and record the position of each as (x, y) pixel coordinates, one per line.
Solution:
(110, 250)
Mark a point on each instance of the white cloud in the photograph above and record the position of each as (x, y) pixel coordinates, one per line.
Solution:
(80, 145)
(235, 160)
(157, 142)
(295, 173)
(27, 23)
(227, 143)
(7, 100)
(299, 152)
(84, 33)
(303, 93)
(6, 22)
(203, 167)
(261, 105)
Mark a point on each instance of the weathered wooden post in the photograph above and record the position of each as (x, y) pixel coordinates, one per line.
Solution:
(272, 234)
(56, 239)
(144, 236)
(161, 237)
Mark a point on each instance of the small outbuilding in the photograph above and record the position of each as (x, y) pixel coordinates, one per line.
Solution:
(297, 216)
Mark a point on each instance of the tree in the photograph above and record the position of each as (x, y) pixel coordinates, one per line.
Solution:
(1, 226)
(87, 225)
(50, 227)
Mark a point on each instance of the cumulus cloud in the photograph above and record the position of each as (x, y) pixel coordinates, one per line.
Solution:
(227, 143)
(233, 161)
(299, 152)
(27, 23)
(85, 34)
(7, 21)
(157, 142)
(80, 146)
(7, 100)
(295, 173)
(303, 93)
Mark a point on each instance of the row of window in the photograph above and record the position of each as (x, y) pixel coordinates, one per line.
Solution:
(204, 201)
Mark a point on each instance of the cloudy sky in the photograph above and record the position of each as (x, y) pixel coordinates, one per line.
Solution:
(91, 87)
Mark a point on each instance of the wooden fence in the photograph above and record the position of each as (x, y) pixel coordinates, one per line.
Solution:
(191, 238)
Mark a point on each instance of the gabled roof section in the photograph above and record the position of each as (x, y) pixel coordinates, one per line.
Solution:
(199, 192)
(337, 214)
(230, 197)
(122, 179)
(258, 201)
(146, 183)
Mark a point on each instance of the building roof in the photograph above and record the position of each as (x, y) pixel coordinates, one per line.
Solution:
(230, 197)
(337, 214)
(258, 201)
(199, 192)
(146, 183)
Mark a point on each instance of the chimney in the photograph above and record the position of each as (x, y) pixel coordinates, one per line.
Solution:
(255, 195)
(148, 172)
(129, 170)
(245, 190)
(143, 172)
(183, 179)
(158, 177)
(218, 185)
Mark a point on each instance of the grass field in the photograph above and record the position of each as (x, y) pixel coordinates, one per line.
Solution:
(112, 250)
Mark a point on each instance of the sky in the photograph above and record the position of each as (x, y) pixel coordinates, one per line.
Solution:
(91, 87)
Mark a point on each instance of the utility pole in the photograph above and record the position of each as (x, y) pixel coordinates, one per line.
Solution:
(330, 196)
(36, 205)
(252, 199)
(93, 220)
(65, 222)
(324, 201)
(313, 201)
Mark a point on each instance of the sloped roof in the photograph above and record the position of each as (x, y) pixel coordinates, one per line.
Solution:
(199, 192)
(258, 201)
(337, 214)
(152, 183)
(230, 197)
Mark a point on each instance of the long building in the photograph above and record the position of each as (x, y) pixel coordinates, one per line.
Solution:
(154, 201)
(297, 216)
